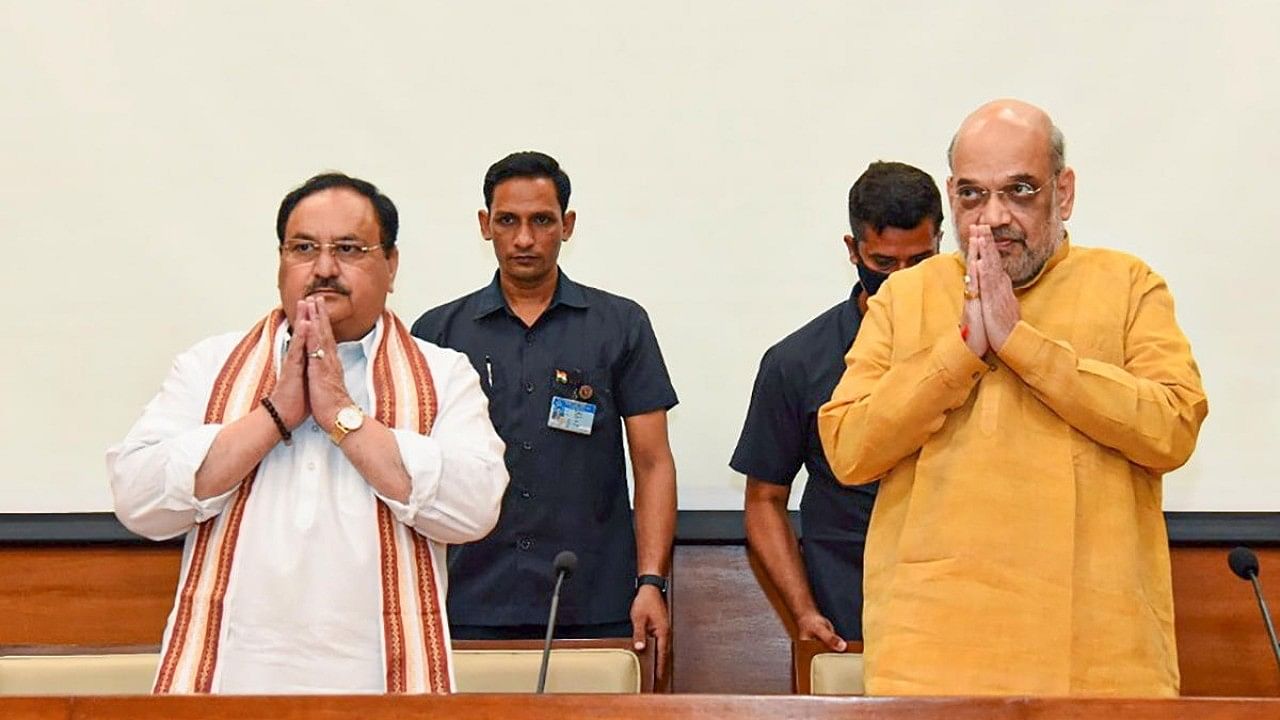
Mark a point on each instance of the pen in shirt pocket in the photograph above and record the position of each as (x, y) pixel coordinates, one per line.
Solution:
(488, 370)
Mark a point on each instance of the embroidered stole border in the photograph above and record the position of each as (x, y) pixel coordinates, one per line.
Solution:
(403, 393)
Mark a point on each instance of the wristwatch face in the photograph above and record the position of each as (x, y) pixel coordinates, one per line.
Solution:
(350, 417)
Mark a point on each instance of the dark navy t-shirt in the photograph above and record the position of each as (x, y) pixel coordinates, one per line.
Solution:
(568, 491)
(796, 377)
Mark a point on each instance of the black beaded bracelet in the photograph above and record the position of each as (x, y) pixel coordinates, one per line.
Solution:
(284, 431)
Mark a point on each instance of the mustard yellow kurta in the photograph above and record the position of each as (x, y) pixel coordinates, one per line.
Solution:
(1018, 544)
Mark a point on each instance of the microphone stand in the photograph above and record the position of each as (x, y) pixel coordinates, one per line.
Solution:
(551, 629)
(1266, 616)
(565, 563)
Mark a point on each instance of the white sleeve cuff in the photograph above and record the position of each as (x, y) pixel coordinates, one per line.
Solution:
(186, 454)
(423, 462)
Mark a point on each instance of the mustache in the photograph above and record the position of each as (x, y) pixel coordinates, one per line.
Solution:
(1009, 233)
(327, 284)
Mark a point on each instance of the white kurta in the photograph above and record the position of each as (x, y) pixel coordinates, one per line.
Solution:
(303, 610)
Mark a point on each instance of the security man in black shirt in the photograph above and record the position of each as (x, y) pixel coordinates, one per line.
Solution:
(566, 368)
(895, 218)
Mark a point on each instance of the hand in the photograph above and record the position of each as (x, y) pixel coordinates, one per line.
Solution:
(972, 317)
(814, 626)
(1000, 311)
(326, 387)
(289, 397)
(649, 617)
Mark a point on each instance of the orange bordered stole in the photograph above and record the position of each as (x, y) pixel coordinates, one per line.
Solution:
(416, 659)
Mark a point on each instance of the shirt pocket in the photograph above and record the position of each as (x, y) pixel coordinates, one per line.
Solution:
(592, 386)
(600, 380)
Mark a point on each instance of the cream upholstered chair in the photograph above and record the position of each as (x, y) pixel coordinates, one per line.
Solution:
(576, 666)
(482, 666)
(78, 671)
(817, 670)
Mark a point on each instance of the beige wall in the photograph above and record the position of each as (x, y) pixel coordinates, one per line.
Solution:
(145, 146)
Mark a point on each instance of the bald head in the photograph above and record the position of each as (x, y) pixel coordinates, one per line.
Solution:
(1008, 176)
(1012, 120)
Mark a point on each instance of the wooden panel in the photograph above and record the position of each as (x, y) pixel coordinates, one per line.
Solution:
(90, 595)
(1223, 649)
(35, 708)
(620, 707)
(729, 638)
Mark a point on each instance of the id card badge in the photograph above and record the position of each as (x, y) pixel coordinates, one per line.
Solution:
(571, 415)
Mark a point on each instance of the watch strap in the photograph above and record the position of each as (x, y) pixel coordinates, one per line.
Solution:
(655, 580)
(340, 431)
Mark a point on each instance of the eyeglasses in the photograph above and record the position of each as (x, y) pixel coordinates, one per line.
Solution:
(301, 252)
(1019, 194)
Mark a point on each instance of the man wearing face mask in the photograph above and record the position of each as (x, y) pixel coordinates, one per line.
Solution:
(1019, 403)
(895, 215)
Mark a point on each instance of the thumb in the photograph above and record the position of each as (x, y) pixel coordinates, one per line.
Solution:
(839, 644)
(832, 640)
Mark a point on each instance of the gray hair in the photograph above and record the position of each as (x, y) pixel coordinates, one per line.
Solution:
(1057, 150)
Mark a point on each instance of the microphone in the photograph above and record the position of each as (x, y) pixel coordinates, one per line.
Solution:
(565, 563)
(1245, 565)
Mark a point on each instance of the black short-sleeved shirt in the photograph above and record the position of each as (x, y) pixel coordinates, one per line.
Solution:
(796, 377)
(568, 491)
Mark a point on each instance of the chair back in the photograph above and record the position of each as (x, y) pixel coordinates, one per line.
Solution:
(576, 666)
(78, 671)
(480, 666)
(819, 670)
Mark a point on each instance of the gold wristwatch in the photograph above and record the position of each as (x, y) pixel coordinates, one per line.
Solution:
(348, 420)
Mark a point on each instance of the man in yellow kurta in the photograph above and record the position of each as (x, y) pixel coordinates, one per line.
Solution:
(1021, 400)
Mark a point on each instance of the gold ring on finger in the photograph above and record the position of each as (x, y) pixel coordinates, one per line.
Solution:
(317, 354)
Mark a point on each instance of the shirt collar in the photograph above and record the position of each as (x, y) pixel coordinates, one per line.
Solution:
(853, 299)
(567, 292)
(368, 343)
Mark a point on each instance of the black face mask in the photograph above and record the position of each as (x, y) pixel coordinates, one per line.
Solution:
(871, 279)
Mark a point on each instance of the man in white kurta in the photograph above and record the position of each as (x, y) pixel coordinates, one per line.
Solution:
(303, 608)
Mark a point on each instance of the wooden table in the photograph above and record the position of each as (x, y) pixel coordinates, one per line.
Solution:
(647, 707)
